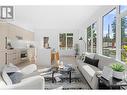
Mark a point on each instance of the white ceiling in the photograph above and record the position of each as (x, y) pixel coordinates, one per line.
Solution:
(53, 17)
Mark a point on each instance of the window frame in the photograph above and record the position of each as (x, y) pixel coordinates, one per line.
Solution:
(121, 15)
(67, 36)
(91, 38)
(100, 29)
(115, 8)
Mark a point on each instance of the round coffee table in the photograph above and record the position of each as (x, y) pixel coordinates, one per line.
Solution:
(66, 70)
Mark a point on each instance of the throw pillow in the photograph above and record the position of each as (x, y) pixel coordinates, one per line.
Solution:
(82, 57)
(90, 61)
(8, 69)
(90, 55)
(15, 77)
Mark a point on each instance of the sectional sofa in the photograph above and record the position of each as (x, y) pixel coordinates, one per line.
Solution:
(89, 71)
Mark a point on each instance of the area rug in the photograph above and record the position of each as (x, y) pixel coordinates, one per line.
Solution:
(77, 82)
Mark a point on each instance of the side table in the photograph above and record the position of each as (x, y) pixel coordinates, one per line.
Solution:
(110, 84)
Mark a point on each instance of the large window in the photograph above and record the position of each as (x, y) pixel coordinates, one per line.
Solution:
(94, 32)
(69, 40)
(62, 38)
(109, 34)
(114, 34)
(66, 41)
(89, 39)
(124, 39)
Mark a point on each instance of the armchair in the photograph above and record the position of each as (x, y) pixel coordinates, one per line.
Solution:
(35, 82)
(32, 82)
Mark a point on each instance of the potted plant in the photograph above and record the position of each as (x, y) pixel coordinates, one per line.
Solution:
(118, 70)
(76, 49)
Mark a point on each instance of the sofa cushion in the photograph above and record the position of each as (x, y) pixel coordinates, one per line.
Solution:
(90, 61)
(90, 71)
(15, 77)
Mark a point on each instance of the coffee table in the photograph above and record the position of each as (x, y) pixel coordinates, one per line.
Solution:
(66, 70)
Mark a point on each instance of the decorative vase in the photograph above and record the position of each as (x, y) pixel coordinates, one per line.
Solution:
(118, 75)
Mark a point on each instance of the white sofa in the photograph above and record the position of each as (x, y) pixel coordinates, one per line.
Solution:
(89, 72)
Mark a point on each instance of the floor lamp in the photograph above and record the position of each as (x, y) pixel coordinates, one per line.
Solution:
(81, 39)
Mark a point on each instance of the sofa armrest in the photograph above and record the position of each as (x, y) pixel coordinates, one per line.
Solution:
(35, 82)
(94, 82)
(78, 61)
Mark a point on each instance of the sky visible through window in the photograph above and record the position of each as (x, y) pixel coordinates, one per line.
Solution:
(125, 29)
(107, 23)
(123, 8)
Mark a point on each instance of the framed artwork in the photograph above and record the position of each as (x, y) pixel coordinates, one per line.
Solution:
(46, 43)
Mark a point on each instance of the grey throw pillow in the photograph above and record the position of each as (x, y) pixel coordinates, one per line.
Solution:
(15, 77)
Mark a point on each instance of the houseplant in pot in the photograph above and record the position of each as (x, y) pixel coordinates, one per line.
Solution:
(76, 50)
(118, 70)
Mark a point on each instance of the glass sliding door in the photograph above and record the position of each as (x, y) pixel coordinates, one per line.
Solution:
(109, 34)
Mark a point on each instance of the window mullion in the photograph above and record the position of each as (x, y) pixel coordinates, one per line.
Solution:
(66, 41)
(91, 39)
(118, 34)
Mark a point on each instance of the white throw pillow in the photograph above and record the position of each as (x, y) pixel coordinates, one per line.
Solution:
(82, 57)
(90, 55)
(29, 69)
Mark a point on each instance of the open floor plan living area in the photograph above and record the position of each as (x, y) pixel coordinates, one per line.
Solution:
(63, 47)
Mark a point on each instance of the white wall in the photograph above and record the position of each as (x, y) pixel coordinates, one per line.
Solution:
(53, 35)
(82, 44)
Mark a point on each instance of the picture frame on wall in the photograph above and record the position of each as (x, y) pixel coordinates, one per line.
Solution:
(46, 42)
